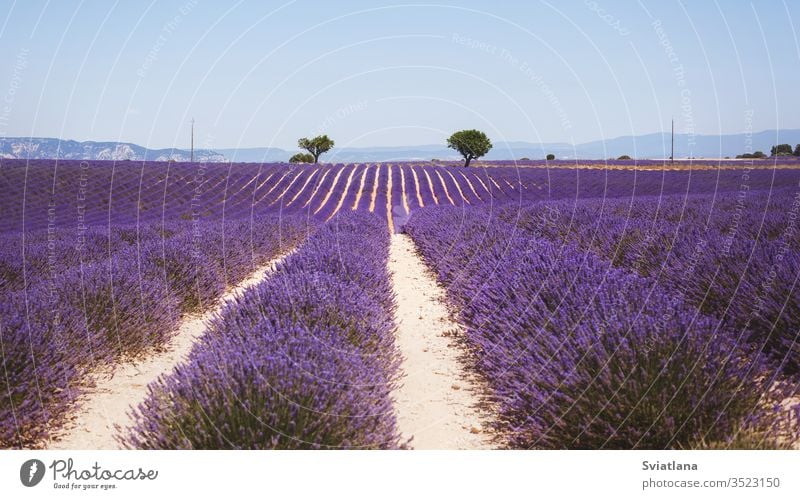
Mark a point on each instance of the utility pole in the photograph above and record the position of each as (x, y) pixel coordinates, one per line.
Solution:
(672, 147)
(192, 154)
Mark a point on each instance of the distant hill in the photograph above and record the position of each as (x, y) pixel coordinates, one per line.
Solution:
(46, 148)
(655, 145)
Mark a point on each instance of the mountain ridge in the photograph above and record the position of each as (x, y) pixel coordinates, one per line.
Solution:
(50, 148)
(652, 145)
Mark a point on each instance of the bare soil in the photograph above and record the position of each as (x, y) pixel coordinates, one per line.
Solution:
(438, 402)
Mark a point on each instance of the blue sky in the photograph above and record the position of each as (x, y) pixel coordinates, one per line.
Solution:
(386, 73)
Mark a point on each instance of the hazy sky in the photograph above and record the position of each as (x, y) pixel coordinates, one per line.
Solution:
(386, 73)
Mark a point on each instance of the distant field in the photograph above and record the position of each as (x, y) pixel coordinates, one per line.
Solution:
(133, 192)
(598, 305)
(782, 162)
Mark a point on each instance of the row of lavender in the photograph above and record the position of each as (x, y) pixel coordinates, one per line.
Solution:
(735, 257)
(580, 354)
(304, 360)
(73, 301)
(235, 246)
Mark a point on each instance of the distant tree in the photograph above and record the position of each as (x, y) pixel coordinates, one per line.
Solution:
(782, 150)
(302, 157)
(524, 159)
(797, 150)
(472, 144)
(623, 157)
(551, 157)
(755, 155)
(316, 146)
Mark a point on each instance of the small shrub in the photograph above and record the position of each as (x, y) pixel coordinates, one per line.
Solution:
(750, 439)
(178, 267)
(302, 157)
(125, 312)
(40, 373)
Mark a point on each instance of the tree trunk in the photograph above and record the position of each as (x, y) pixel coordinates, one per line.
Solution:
(316, 159)
(467, 160)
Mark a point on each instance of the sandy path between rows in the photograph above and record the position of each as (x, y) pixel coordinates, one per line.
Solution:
(437, 402)
(114, 393)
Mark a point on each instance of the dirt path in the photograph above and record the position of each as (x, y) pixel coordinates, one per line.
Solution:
(437, 402)
(107, 404)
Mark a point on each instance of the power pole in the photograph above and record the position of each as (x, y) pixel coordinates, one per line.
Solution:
(672, 147)
(192, 154)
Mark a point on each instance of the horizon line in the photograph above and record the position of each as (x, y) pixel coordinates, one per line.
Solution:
(214, 149)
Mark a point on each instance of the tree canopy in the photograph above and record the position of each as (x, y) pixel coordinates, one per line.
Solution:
(302, 157)
(316, 146)
(471, 144)
(781, 150)
(754, 155)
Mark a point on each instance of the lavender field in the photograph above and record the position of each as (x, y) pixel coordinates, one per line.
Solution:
(621, 305)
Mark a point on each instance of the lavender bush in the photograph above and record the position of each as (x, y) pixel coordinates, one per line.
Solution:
(185, 272)
(40, 372)
(738, 265)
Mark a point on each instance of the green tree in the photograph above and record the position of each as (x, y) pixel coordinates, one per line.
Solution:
(471, 144)
(316, 146)
(797, 150)
(755, 155)
(781, 150)
(301, 157)
(624, 157)
(551, 157)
